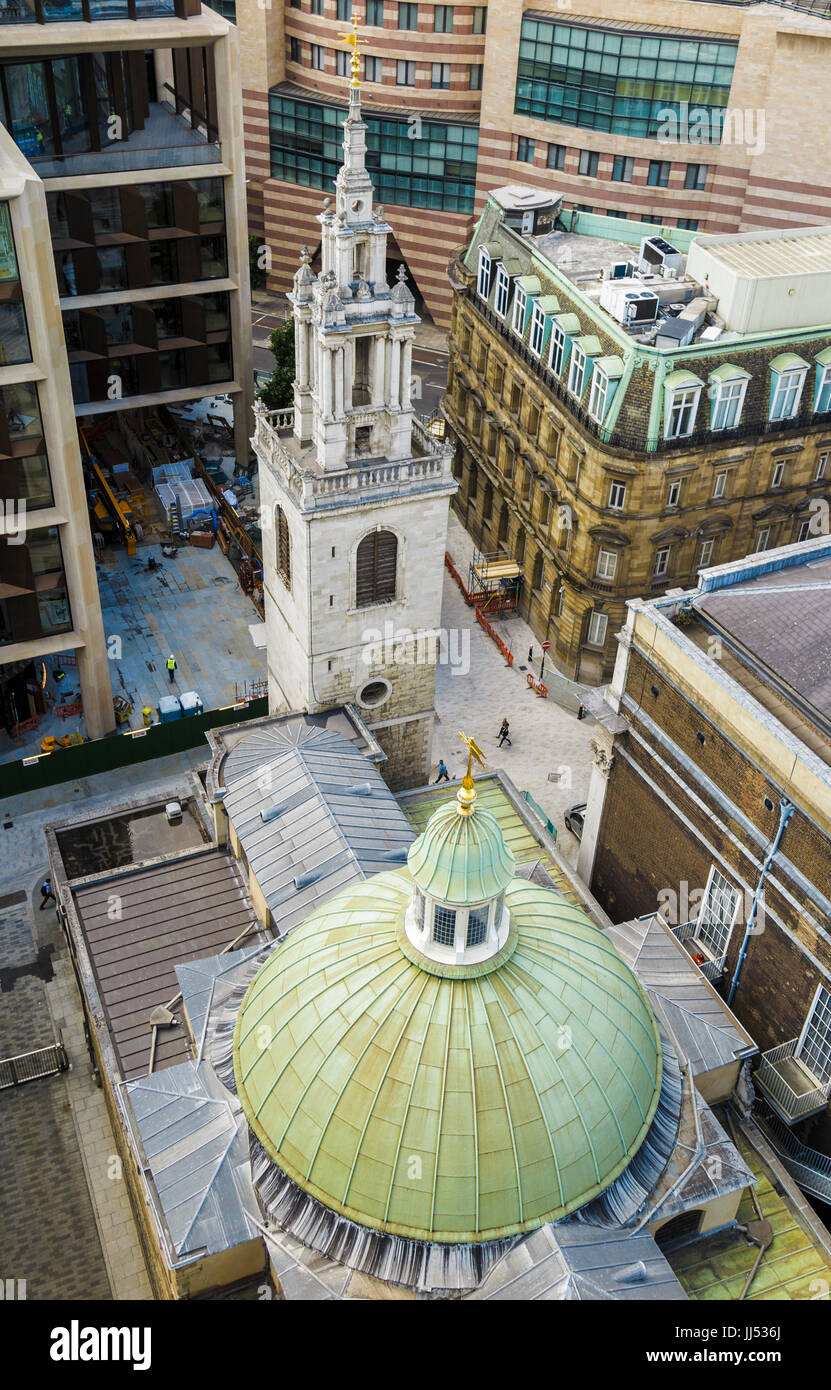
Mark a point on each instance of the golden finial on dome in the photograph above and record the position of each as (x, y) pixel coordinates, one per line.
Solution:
(466, 795)
(352, 41)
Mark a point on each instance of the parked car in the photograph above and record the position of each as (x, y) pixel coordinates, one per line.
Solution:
(575, 818)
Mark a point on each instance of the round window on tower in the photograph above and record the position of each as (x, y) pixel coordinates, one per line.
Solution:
(374, 693)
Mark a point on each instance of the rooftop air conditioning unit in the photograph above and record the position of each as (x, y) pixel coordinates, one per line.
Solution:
(619, 270)
(656, 256)
(640, 308)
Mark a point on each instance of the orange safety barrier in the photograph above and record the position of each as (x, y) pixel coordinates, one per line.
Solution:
(531, 681)
(66, 659)
(64, 711)
(494, 636)
(24, 725)
(471, 599)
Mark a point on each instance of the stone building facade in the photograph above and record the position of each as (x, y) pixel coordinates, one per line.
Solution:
(601, 493)
(711, 799)
(488, 81)
(354, 493)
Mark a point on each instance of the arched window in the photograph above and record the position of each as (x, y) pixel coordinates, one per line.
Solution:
(282, 541)
(375, 568)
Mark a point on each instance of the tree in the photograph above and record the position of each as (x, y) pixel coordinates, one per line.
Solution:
(277, 393)
(256, 272)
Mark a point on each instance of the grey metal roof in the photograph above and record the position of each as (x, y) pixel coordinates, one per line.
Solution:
(313, 815)
(572, 1260)
(196, 1149)
(176, 911)
(198, 981)
(706, 1033)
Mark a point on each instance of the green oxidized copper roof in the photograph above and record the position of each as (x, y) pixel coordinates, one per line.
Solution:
(440, 1102)
(461, 859)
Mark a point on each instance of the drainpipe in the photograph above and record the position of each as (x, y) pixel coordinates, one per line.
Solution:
(785, 812)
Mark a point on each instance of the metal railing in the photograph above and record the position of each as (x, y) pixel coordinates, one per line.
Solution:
(790, 1104)
(31, 1066)
(809, 1167)
(711, 967)
(546, 820)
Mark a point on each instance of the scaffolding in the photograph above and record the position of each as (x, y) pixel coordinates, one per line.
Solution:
(496, 582)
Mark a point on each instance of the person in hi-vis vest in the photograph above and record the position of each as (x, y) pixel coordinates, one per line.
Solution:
(171, 667)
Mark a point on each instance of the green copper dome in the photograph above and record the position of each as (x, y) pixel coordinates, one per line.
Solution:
(461, 859)
(444, 1103)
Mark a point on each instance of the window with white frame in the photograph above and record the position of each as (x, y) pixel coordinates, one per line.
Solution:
(681, 408)
(778, 473)
(343, 62)
(518, 318)
(662, 561)
(444, 926)
(823, 404)
(617, 496)
(822, 464)
(577, 370)
(804, 532)
(674, 494)
(373, 69)
(814, 1048)
(606, 564)
(537, 330)
(503, 287)
(556, 348)
(705, 554)
(763, 538)
(787, 393)
(483, 278)
(598, 395)
(717, 914)
(598, 622)
(317, 57)
(720, 484)
(727, 404)
(477, 926)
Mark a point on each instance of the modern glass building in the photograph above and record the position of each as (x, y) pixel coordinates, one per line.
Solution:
(428, 165)
(617, 81)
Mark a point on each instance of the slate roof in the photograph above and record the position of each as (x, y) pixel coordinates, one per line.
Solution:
(196, 1149)
(705, 1031)
(198, 981)
(313, 815)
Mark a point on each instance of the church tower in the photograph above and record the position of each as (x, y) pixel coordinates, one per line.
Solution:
(354, 491)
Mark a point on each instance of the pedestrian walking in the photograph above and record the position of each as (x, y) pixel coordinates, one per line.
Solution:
(444, 775)
(171, 667)
(504, 730)
(581, 711)
(46, 893)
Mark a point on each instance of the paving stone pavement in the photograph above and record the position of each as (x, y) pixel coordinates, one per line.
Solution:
(546, 738)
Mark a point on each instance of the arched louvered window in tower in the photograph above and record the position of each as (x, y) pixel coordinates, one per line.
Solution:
(283, 546)
(375, 570)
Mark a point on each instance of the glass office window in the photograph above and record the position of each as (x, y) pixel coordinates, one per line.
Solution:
(14, 336)
(437, 171)
(17, 12)
(24, 470)
(33, 595)
(632, 84)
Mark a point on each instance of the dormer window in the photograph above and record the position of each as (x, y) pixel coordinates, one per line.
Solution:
(787, 378)
(728, 386)
(518, 319)
(577, 371)
(822, 398)
(503, 286)
(537, 330)
(556, 348)
(682, 392)
(483, 279)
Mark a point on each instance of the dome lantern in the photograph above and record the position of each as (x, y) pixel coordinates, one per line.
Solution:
(460, 866)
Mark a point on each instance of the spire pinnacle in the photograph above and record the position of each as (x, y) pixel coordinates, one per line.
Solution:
(466, 795)
(352, 41)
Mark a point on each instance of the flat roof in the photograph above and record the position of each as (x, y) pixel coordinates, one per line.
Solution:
(759, 256)
(178, 911)
(777, 624)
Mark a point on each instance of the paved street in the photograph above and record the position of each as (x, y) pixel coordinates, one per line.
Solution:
(547, 739)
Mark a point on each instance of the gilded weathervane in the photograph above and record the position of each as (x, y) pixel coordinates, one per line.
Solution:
(352, 41)
(466, 794)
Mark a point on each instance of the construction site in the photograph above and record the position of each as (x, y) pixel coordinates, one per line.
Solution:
(174, 520)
